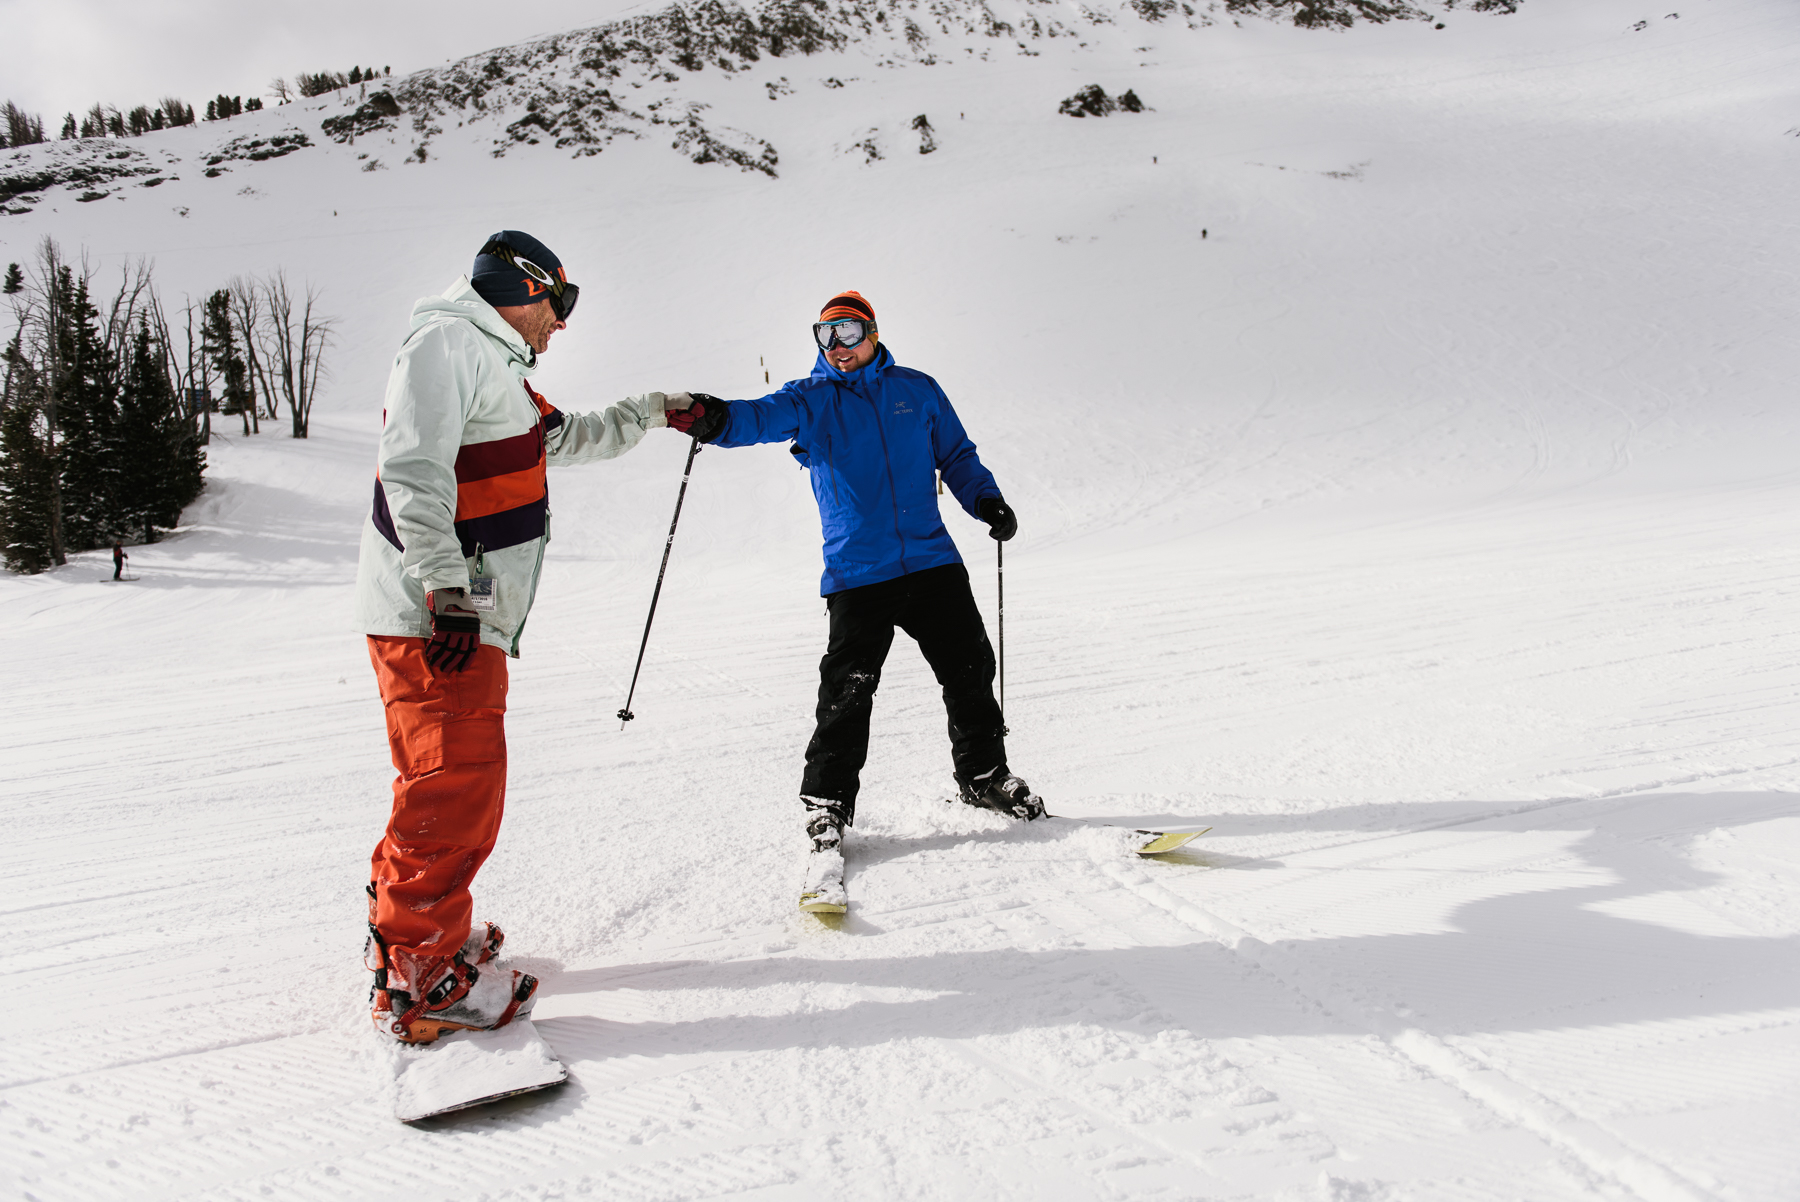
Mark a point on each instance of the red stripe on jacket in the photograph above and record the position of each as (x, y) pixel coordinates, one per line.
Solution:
(492, 477)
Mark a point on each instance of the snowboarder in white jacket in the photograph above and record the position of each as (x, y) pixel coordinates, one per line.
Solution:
(449, 567)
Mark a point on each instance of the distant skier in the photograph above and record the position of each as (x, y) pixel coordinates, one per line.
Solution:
(449, 566)
(872, 434)
(119, 558)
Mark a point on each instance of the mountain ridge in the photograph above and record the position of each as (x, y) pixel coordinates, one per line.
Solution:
(583, 89)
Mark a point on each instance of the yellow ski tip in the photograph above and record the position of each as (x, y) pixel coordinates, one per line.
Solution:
(1167, 841)
(809, 902)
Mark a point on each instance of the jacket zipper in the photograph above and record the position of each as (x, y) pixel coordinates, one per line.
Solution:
(543, 539)
(831, 470)
(531, 596)
(893, 489)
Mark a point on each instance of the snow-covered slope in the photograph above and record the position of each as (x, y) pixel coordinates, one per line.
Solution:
(1427, 527)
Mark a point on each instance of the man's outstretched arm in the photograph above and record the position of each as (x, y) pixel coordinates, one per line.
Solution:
(584, 437)
(774, 418)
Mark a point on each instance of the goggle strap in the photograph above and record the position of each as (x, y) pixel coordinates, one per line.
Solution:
(501, 250)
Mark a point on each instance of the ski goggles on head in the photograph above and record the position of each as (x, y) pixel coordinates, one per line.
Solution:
(847, 332)
(562, 293)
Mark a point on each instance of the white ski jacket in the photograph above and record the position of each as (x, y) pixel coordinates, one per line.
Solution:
(460, 488)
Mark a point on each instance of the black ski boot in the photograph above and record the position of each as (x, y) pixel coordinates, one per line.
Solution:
(1004, 794)
(823, 890)
(826, 820)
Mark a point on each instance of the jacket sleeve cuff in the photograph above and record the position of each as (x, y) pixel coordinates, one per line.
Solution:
(445, 580)
(654, 415)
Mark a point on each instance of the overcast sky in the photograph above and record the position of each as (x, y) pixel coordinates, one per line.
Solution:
(59, 56)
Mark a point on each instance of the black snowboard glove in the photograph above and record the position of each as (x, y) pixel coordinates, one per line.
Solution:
(1002, 522)
(704, 419)
(455, 629)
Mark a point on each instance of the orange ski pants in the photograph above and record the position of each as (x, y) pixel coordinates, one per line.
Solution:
(447, 733)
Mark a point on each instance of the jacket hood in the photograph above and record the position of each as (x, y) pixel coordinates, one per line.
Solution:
(460, 302)
(823, 370)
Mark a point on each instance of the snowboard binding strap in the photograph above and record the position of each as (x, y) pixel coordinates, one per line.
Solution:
(454, 984)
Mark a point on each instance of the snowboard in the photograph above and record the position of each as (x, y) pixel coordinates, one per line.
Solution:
(468, 1068)
(814, 903)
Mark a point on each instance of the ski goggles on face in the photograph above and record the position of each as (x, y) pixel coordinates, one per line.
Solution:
(562, 293)
(847, 332)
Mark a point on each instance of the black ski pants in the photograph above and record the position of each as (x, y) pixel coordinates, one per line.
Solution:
(936, 608)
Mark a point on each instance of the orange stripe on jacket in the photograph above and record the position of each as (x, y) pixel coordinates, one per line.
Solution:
(496, 494)
(478, 498)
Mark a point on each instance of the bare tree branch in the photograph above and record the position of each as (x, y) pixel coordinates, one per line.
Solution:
(247, 316)
(295, 347)
(315, 335)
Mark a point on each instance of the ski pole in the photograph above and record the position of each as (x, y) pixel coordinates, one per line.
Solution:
(1000, 580)
(625, 714)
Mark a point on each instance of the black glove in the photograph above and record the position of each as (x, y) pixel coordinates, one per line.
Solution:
(1002, 522)
(455, 629)
(704, 419)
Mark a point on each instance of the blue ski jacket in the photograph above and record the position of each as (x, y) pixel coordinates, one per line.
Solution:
(871, 440)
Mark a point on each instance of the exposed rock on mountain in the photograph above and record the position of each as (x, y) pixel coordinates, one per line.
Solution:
(581, 90)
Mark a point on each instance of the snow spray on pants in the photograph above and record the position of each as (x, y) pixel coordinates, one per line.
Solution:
(447, 733)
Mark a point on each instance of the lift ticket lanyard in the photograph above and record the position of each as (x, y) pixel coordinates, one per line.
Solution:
(483, 590)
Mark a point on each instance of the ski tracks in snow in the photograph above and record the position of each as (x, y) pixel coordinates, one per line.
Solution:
(1588, 1095)
(1460, 999)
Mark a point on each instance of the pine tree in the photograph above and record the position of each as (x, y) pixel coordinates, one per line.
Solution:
(160, 462)
(68, 128)
(87, 420)
(219, 344)
(94, 439)
(25, 467)
(20, 127)
(15, 280)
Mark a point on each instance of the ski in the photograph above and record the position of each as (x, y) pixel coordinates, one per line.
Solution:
(470, 1068)
(1158, 842)
(1151, 842)
(823, 892)
(818, 903)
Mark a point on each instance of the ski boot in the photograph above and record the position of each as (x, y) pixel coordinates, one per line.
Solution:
(415, 999)
(823, 892)
(1002, 793)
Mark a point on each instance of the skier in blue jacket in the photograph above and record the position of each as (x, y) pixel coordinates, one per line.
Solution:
(872, 433)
